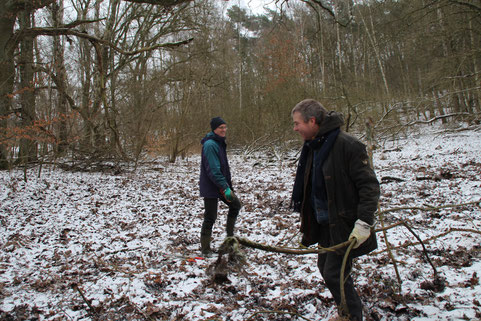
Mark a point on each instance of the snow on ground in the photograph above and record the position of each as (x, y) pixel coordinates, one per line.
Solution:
(100, 246)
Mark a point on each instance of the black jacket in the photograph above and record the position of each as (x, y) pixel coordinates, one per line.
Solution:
(351, 185)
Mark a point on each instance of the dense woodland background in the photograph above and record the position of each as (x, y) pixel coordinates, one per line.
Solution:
(91, 81)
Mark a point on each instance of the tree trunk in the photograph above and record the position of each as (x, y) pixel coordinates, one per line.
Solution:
(477, 78)
(376, 48)
(28, 145)
(59, 69)
(7, 75)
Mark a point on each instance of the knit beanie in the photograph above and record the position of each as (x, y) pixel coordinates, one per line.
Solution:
(216, 122)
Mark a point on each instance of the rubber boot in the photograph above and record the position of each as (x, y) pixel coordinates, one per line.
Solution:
(205, 243)
(230, 225)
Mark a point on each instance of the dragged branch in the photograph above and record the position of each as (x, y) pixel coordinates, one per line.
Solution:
(285, 250)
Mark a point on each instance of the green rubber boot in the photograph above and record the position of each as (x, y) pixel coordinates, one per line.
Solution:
(230, 225)
(205, 243)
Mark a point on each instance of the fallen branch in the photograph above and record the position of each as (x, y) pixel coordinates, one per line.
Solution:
(370, 139)
(389, 249)
(425, 251)
(434, 237)
(139, 311)
(388, 227)
(91, 308)
(432, 120)
(276, 312)
(388, 179)
(427, 208)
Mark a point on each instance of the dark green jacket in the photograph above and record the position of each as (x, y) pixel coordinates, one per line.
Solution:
(215, 174)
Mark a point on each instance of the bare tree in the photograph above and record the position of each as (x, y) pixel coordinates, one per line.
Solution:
(22, 39)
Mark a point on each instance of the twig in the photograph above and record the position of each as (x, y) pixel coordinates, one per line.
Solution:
(405, 224)
(125, 250)
(388, 227)
(425, 251)
(389, 250)
(289, 240)
(91, 308)
(370, 139)
(133, 305)
(277, 312)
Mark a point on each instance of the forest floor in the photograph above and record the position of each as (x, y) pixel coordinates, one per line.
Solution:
(125, 246)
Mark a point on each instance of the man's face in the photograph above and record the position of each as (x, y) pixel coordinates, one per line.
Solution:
(307, 130)
(221, 130)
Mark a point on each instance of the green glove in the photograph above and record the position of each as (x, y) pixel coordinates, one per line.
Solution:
(360, 232)
(228, 194)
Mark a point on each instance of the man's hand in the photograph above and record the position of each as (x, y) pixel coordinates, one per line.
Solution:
(360, 232)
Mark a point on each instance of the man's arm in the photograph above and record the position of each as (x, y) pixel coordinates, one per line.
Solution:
(366, 183)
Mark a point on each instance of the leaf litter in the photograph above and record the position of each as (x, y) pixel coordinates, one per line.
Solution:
(125, 246)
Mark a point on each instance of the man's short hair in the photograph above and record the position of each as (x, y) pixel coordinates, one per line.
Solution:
(310, 108)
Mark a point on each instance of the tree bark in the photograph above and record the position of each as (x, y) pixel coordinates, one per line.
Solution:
(7, 75)
(28, 145)
(59, 69)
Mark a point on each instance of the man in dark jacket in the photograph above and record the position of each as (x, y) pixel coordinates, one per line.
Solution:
(215, 183)
(336, 191)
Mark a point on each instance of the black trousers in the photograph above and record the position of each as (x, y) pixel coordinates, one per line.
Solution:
(330, 265)
(210, 213)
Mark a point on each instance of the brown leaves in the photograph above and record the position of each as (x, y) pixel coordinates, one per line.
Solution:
(474, 280)
(437, 285)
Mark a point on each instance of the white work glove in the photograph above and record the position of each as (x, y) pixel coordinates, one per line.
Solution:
(360, 232)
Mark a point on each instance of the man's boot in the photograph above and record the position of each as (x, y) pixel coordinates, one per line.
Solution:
(205, 243)
(230, 225)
